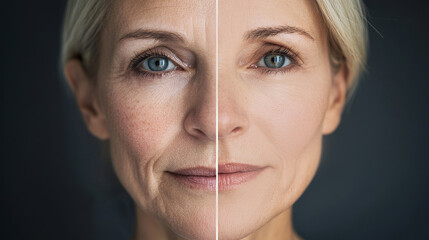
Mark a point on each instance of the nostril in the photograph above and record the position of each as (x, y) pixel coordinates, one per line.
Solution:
(201, 124)
(235, 130)
(199, 132)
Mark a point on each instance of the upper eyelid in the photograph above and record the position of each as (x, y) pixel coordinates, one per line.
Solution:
(289, 52)
(272, 47)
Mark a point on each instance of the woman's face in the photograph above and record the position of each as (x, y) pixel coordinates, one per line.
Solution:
(277, 97)
(156, 103)
(157, 91)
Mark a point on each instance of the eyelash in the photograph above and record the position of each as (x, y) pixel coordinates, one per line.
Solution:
(287, 52)
(140, 57)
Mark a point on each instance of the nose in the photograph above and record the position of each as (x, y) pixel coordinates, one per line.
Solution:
(200, 121)
(233, 119)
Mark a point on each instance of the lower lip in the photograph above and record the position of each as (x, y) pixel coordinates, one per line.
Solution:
(230, 181)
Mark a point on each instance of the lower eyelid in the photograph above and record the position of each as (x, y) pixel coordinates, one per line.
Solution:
(152, 74)
(265, 70)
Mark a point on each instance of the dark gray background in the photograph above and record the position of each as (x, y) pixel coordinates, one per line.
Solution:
(373, 180)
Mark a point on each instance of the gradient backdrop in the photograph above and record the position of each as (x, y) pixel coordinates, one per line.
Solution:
(373, 182)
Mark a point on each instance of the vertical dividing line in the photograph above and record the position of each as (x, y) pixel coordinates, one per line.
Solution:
(217, 119)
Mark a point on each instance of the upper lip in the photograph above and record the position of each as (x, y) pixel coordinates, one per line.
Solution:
(196, 171)
(236, 167)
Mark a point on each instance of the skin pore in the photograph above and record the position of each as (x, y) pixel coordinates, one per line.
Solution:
(158, 123)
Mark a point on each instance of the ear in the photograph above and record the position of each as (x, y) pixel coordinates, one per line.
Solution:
(337, 100)
(85, 92)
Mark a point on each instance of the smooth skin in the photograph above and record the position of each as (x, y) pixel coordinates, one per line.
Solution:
(161, 122)
(273, 118)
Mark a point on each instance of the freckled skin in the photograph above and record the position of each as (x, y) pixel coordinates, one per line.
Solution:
(147, 116)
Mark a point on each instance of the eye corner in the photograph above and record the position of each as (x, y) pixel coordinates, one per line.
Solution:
(253, 66)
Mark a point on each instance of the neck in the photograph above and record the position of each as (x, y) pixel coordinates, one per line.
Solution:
(279, 227)
(148, 227)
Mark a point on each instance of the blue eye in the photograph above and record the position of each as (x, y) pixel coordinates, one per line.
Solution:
(274, 60)
(157, 64)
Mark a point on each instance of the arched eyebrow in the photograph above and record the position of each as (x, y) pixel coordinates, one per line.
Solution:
(265, 32)
(153, 34)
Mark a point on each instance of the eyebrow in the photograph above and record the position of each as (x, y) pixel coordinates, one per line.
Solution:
(153, 34)
(264, 32)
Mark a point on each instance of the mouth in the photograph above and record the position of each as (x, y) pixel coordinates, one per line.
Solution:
(230, 176)
(202, 178)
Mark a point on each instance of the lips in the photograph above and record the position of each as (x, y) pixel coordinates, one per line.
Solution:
(231, 176)
(202, 178)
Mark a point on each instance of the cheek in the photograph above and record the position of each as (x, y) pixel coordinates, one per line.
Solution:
(298, 122)
(138, 126)
(141, 129)
(141, 124)
(291, 117)
(288, 123)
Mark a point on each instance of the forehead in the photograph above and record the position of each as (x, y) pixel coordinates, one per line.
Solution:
(191, 18)
(239, 16)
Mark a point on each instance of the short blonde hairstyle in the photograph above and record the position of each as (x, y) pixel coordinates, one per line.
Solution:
(83, 23)
(347, 36)
(345, 21)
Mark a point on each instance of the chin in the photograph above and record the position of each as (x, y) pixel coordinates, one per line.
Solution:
(239, 226)
(196, 226)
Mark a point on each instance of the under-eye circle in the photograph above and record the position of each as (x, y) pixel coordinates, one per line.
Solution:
(157, 64)
(274, 61)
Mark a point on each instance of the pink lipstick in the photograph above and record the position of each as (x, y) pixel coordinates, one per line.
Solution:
(232, 175)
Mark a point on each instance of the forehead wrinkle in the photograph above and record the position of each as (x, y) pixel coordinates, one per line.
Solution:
(129, 15)
(194, 29)
(153, 34)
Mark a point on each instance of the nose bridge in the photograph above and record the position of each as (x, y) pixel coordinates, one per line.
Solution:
(232, 117)
(200, 121)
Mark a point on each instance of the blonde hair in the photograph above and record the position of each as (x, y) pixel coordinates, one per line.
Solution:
(345, 21)
(83, 22)
(347, 36)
